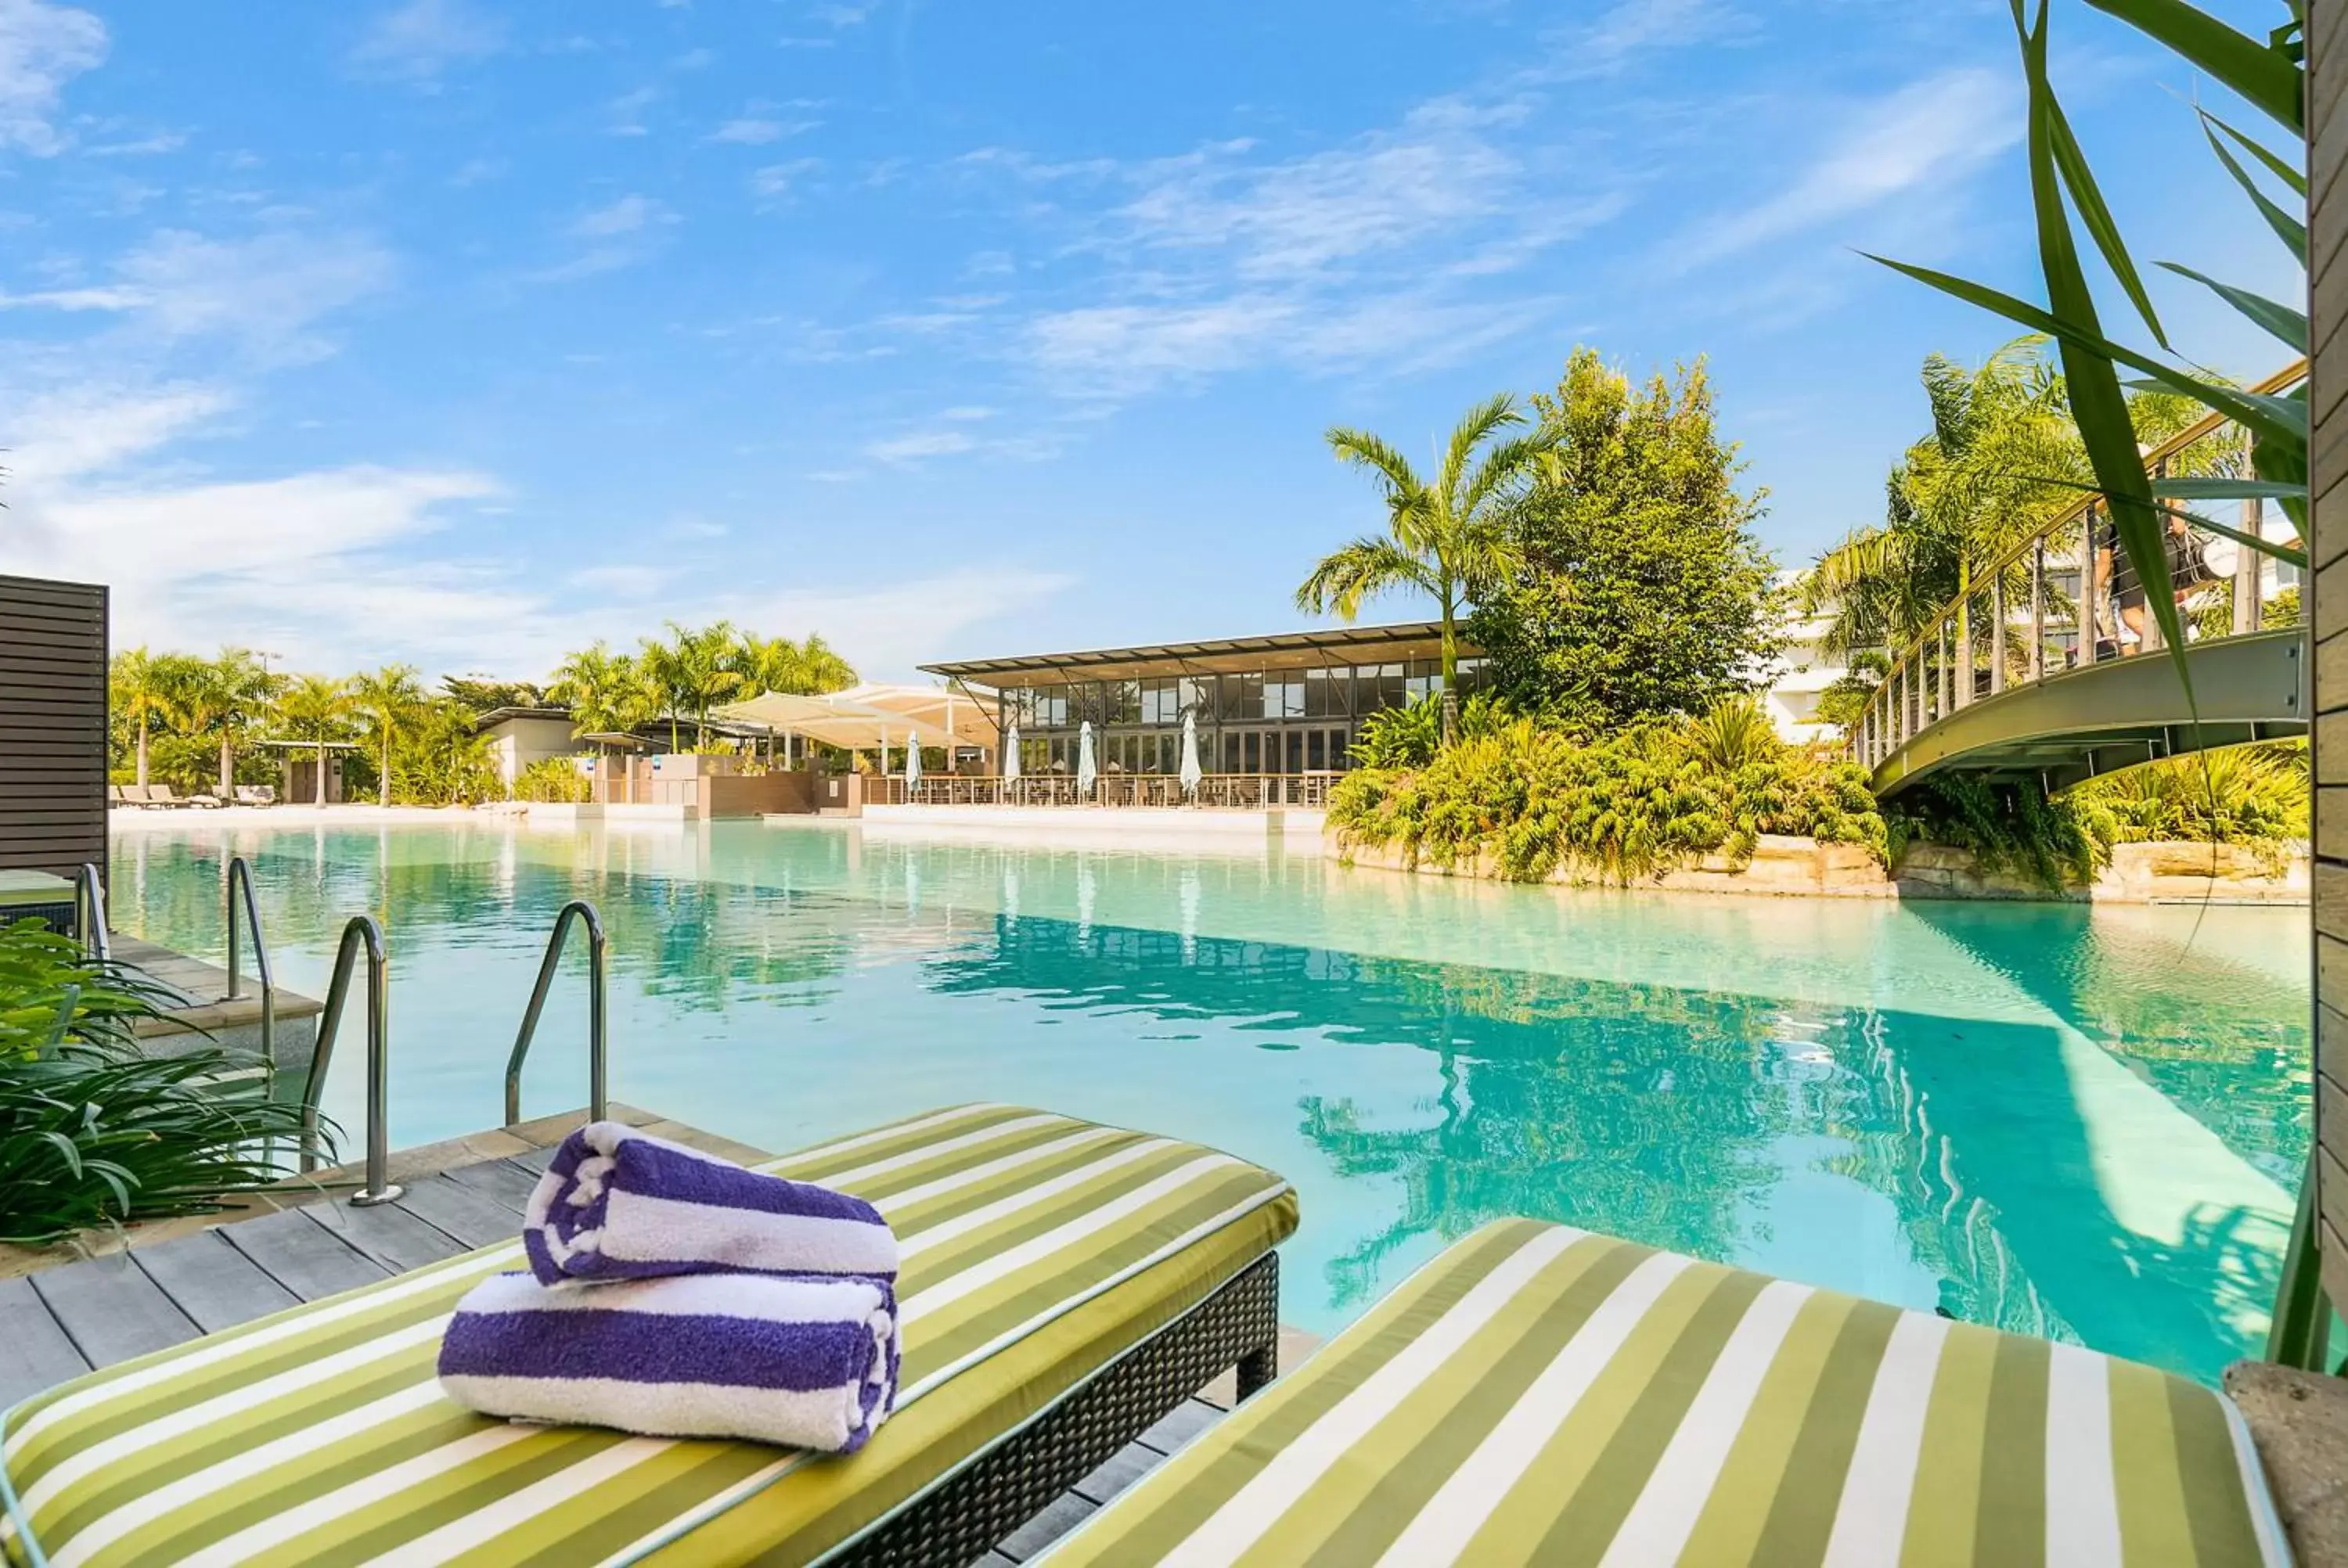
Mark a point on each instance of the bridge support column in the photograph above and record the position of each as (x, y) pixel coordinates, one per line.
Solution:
(1997, 635)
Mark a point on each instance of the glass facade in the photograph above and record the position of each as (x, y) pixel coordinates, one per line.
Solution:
(1273, 721)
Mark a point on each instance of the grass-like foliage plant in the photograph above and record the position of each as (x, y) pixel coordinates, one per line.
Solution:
(92, 1132)
(1622, 808)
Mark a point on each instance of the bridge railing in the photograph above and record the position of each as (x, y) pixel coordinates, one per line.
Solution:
(2066, 597)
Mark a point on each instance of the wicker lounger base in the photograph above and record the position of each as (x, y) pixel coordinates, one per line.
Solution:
(955, 1522)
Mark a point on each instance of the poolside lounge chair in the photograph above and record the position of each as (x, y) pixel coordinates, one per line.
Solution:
(1065, 1285)
(134, 795)
(256, 795)
(1539, 1395)
(162, 795)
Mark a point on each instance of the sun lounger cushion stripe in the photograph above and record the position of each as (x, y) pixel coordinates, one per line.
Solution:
(1036, 1249)
(1539, 1395)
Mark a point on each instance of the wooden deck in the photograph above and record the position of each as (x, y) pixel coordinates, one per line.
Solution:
(62, 1314)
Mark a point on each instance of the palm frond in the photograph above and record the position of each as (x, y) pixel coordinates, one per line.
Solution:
(1362, 569)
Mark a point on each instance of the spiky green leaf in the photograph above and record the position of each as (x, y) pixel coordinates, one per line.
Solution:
(2277, 319)
(2079, 179)
(2262, 72)
(2291, 231)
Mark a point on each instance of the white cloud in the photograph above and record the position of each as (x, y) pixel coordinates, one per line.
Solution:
(887, 632)
(627, 111)
(1631, 28)
(1925, 136)
(623, 582)
(628, 215)
(267, 290)
(91, 299)
(921, 444)
(419, 41)
(61, 436)
(42, 48)
(775, 179)
(757, 131)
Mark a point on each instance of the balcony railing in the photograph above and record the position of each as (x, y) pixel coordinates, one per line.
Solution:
(1226, 791)
(2065, 598)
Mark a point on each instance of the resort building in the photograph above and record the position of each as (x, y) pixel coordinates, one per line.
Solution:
(1802, 668)
(521, 736)
(1287, 703)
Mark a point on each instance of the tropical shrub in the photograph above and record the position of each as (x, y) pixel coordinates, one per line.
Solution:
(2250, 795)
(1626, 807)
(553, 779)
(1408, 737)
(94, 1133)
(2006, 826)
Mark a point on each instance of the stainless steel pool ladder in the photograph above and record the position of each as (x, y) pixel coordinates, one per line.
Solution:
(239, 879)
(89, 912)
(578, 909)
(362, 931)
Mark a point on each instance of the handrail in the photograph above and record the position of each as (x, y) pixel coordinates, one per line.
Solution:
(239, 878)
(89, 914)
(362, 929)
(1925, 651)
(577, 910)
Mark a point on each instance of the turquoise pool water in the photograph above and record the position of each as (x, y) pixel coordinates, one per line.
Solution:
(2088, 1124)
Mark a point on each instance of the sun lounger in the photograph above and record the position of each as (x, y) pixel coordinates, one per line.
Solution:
(133, 794)
(161, 794)
(256, 795)
(1065, 1287)
(1537, 1394)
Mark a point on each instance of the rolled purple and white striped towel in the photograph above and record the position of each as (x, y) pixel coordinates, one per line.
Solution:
(809, 1363)
(615, 1203)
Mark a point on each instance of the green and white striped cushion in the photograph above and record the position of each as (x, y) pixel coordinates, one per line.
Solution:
(1036, 1249)
(1540, 1395)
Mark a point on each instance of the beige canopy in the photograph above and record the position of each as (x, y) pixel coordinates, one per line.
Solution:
(867, 716)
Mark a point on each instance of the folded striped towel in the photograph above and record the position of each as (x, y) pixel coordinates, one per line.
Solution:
(615, 1203)
(810, 1363)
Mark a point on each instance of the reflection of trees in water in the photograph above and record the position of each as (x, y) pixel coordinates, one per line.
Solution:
(1667, 1116)
(2218, 1040)
(696, 944)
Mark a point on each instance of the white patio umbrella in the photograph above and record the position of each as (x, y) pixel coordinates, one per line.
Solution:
(912, 766)
(884, 751)
(1085, 772)
(1011, 756)
(1191, 772)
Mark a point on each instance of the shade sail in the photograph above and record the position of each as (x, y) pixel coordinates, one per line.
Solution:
(867, 716)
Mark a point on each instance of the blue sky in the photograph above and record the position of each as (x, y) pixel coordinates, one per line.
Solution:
(465, 334)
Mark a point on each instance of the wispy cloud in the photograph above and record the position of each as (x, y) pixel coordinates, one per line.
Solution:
(758, 130)
(1925, 136)
(42, 48)
(774, 182)
(417, 42)
(921, 444)
(629, 215)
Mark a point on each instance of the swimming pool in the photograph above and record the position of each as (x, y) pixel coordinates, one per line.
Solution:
(2083, 1124)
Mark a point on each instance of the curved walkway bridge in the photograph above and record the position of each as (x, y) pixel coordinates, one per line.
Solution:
(2051, 666)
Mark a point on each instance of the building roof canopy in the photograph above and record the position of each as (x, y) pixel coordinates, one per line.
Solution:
(1281, 650)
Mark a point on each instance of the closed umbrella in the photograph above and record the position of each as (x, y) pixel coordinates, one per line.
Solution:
(912, 766)
(1191, 772)
(1011, 756)
(1085, 772)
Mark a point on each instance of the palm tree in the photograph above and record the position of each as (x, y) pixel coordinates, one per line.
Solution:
(147, 691)
(694, 672)
(1442, 538)
(227, 697)
(799, 669)
(384, 701)
(2003, 458)
(315, 709)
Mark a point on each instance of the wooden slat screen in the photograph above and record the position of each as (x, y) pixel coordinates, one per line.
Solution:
(53, 654)
(2327, 35)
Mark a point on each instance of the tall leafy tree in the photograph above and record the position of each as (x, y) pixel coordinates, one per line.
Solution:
(797, 668)
(147, 691)
(1442, 537)
(605, 691)
(1635, 587)
(384, 701)
(316, 710)
(228, 697)
(2003, 459)
(694, 670)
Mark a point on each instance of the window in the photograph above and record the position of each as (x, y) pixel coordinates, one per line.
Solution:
(1283, 695)
(1316, 751)
(1120, 703)
(1231, 753)
(1295, 752)
(1198, 697)
(1161, 702)
(1328, 692)
(1251, 753)
(1048, 707)
(1426, 678)
(1242, 697)
(1377, 686)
